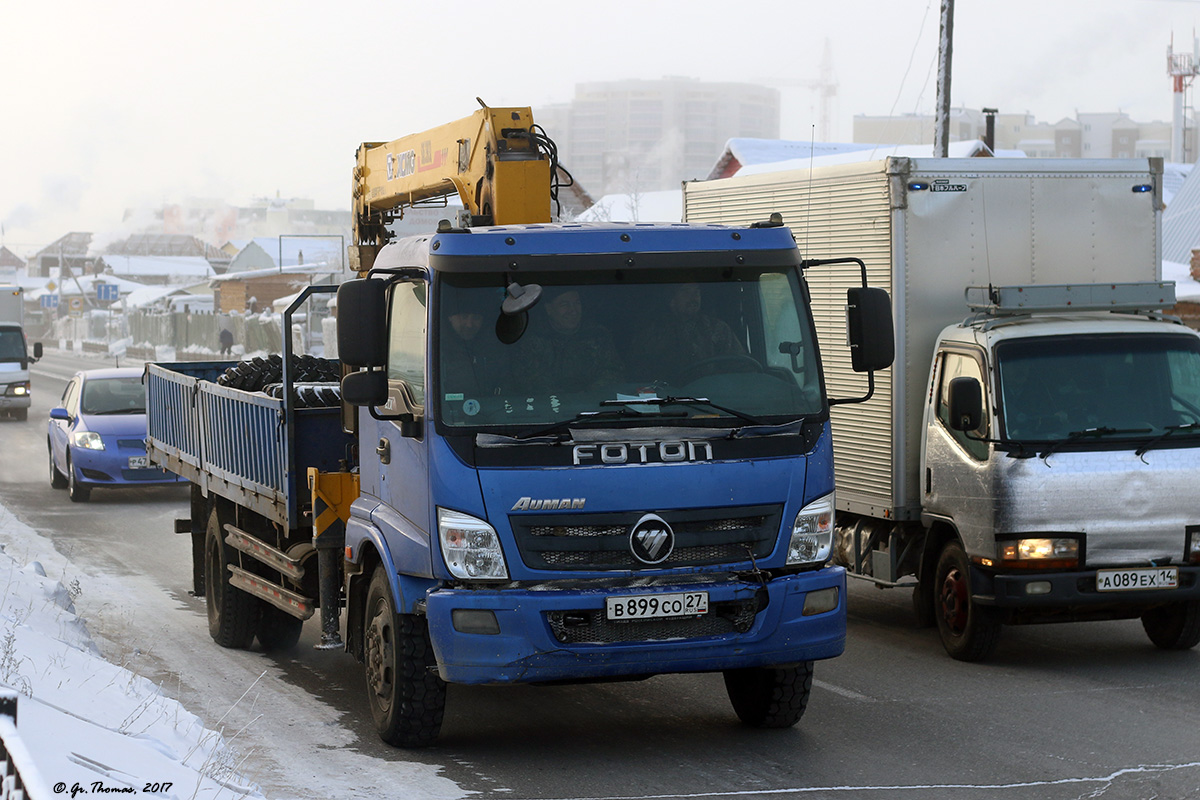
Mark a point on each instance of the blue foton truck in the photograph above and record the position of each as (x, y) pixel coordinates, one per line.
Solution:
(583, 452)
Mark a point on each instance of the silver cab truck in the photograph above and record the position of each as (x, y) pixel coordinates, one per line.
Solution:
(1031, 456)
(15, 355)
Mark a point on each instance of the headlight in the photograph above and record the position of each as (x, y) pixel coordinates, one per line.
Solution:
(470, 547)
(18, 389)
(1039, 552)
(812, 533)
(89, 440)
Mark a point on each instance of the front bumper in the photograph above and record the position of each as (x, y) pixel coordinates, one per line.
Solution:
(18, 401)
(534, 645)
(111, 468)
(1076, 589)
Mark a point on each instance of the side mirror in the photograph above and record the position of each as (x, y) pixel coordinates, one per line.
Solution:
(869, 324)
(966, 404)
(363, 388)
(37, 351)
(362, 324)
(60, 413)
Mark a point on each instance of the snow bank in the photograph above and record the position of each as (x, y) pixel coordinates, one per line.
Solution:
(86, 722)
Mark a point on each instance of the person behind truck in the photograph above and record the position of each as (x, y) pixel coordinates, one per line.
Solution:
(225, 337)
(566, 353)
(685, 336)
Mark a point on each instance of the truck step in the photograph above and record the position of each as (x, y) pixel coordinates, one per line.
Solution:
(259, 550)
(285, 600)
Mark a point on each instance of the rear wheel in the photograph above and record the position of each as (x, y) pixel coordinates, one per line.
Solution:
(21, 414)
(232, 614)
(277, 629)
(770, 697)
(1174, 627)
(57, 479)
(78, 492)
(969, 632)
(406, 696)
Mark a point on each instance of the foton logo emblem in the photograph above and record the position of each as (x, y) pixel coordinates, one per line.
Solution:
(642, 452)
(651, 539)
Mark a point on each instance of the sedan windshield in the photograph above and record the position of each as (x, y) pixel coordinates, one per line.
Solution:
(739, 347)
(113, 396)
(1086, 388)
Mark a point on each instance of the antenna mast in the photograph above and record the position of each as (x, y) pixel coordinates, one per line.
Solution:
(1183, 68)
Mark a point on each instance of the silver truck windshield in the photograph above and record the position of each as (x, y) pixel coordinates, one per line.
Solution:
(12, 345)
(1121, 386)
(743, 342)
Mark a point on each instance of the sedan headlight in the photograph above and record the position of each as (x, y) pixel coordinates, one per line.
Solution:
(89, 440)
(1039, 552)
(470, 547)
(812, 533)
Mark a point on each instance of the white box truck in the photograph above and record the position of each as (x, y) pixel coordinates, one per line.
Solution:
(15, 396)
(1034, 451)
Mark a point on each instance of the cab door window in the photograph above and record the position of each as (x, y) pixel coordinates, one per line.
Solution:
(962, 365)
(406, 338)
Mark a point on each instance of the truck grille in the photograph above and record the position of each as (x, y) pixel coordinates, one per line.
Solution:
(591, 626)
(601, 541)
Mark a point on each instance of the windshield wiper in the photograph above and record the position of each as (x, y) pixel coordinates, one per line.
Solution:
(682, 401)
(1169, 430)
(588, 416)
(1089, 433)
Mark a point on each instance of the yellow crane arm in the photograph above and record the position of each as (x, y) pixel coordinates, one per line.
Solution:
(491, 160)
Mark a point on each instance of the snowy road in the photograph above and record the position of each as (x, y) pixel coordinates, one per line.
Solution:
(1090, 710)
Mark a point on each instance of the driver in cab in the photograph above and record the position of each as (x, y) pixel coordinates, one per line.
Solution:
(685, 336)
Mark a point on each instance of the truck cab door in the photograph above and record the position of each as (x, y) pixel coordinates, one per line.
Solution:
(956, 470)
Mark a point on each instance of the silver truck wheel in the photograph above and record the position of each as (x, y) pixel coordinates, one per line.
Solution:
(232, 614)
(770, 697)
(1174, 627)
(969, 632)
(406, 696)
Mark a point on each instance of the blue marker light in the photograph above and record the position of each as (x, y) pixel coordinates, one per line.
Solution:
(918, 187)
(1142, 187)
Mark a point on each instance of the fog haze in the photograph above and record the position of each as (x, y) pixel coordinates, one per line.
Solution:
(130, 105)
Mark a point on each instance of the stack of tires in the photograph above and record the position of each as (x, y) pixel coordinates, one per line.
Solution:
(316, 381)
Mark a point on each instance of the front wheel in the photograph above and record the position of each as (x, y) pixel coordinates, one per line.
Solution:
(232, 614)
(57, 479)
(969, 632)
(770, 697)
(406, 696)
(78, 492)
(1174, 627)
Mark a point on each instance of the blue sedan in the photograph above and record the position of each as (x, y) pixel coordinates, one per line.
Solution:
(97, 435)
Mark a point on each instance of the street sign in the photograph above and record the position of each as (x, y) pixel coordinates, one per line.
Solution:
(75, 304)
(108, 292)
(49, 301)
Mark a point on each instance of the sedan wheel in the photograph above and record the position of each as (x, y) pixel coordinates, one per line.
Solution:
(57, 479)
(76, 490)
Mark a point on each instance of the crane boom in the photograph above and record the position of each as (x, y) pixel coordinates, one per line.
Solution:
(494, 160)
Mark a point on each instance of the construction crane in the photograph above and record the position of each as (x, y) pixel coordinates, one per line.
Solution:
(826, 87)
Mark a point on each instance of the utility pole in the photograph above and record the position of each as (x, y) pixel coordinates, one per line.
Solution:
(941, 132)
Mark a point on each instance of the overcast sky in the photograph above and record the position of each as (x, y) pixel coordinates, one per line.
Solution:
(118, 105)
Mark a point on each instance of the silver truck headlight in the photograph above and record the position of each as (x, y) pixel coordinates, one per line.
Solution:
(812, 533)
(18, 389)
(89, 440)
(1039, 552)
(470, 547)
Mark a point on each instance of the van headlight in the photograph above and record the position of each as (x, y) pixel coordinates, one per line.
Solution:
(470, 547)
(812, 533)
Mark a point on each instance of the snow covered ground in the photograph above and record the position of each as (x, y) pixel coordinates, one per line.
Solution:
(85, 725)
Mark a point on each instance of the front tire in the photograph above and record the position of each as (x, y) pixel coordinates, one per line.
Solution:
(78, 492)
(969, 632)
(770, 697)
(1174, 627)
(232, 614)
(57, 479)
(406, 696)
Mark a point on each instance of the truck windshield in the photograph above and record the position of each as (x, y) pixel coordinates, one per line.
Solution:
(742, 341)
(1123, 386)
(12, 345)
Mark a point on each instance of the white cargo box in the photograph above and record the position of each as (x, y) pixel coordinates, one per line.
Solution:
(927, 229)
